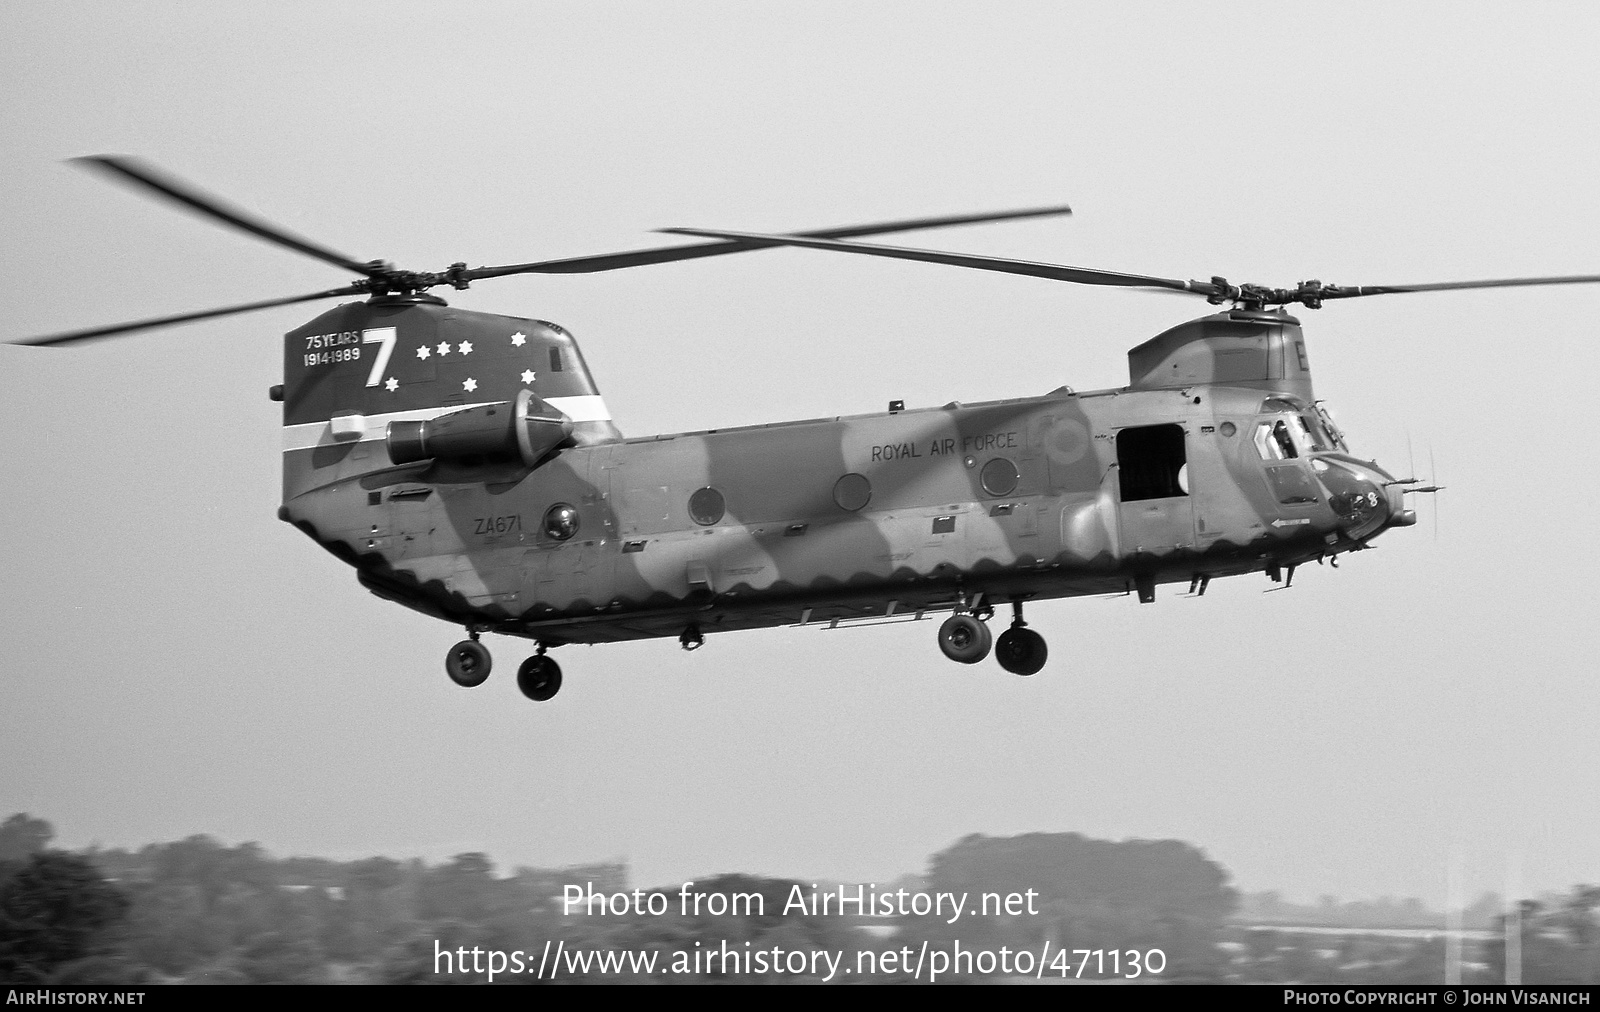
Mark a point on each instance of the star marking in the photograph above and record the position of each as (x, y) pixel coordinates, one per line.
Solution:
(392, 385)
(470, 385)
(422, 352)
(528, 375)
(465, 347)
(518, 339)
(444, 347)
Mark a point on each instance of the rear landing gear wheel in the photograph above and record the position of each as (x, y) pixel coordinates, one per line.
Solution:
(964, 639)
(1020, 650)
(539, 678)
(692, 638)
(468, 663)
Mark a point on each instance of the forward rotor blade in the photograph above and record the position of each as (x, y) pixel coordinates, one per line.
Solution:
(1055, 272)
(1356, 291)
(670, 254)
(125, 169)
(163, 321)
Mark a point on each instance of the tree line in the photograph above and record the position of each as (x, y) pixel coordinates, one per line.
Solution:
(199, 911)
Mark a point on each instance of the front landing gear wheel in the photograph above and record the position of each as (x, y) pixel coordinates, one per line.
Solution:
(468, 663)
(1020, 650)
(539, 678)
(964, 639)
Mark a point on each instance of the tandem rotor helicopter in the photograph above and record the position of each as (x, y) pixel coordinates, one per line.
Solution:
(466, 466)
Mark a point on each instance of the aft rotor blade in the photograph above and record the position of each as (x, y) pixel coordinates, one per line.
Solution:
(126, 169)
(1055, 272)
(163, 321)
(1356, 291)
(670, 254)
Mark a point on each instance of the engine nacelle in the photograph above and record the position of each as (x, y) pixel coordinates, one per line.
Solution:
(525, 430)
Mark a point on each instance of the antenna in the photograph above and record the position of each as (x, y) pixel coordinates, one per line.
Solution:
(1453, 917)
(1433, 476)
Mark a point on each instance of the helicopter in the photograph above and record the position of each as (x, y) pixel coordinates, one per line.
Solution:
(466, 466)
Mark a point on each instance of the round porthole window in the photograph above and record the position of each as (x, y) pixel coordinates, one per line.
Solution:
(999, 477)
(561, 521)
(706, 506)
(852, 492)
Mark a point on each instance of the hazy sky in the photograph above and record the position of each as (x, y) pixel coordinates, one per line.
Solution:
(176, 660)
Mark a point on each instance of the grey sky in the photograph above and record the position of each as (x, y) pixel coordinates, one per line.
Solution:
(176, 660)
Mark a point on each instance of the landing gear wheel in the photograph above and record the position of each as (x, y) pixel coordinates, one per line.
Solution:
(964, 639)
(1020, 650)
(468, 663)
(539, 678)
(692, 639)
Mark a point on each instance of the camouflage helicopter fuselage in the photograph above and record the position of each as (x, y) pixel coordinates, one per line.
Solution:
(540, 520)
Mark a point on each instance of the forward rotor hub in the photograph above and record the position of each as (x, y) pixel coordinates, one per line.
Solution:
(1251, 296)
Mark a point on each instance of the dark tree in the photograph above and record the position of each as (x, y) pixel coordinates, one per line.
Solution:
(1094, 894)
(53, 911)
(22, 837)
(464, 889)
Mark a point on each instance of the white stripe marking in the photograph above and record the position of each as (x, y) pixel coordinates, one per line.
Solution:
(584, 408)
(309, 434)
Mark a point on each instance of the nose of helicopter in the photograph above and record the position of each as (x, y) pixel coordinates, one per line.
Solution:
(1363, 496)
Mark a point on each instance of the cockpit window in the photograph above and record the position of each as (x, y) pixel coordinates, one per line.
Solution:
(1314, 436)
(1273, 441)
(1332, 428)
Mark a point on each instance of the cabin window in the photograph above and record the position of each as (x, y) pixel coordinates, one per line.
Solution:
(999, 477)
(1151, 462)
(1273, 441)
(561, 521)
(706, 506)
(852, 492)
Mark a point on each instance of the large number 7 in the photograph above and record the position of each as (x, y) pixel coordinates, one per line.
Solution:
(385, 335)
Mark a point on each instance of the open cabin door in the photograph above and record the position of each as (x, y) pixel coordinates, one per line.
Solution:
(1156, 512)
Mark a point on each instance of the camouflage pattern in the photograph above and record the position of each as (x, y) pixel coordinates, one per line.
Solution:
(1212, 462)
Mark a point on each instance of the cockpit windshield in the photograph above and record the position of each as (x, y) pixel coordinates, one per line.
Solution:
(1296, 432)
(1335, 436)
(1312, 434)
